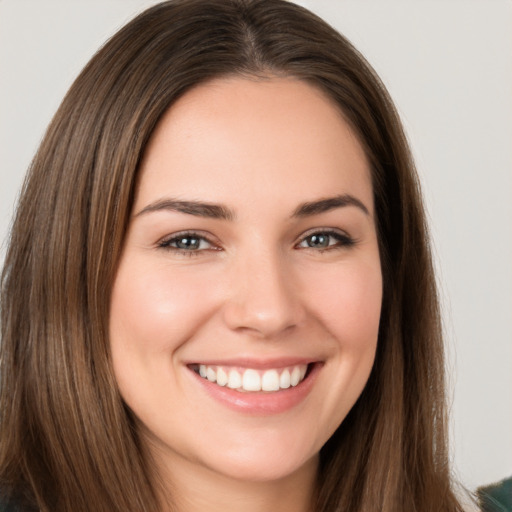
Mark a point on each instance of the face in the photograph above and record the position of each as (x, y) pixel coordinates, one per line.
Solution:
(245, 310)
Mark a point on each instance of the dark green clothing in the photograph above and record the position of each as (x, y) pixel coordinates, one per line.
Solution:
(8, 507)
(497, 497)
(12, 505)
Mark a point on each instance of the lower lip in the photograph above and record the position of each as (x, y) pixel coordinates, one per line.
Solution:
(261, 402)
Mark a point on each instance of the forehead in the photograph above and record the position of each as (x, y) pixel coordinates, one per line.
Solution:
(254, 137)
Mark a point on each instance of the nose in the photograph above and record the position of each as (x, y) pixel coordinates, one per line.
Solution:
(263, 299)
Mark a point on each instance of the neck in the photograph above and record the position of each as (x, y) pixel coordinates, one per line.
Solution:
(195, 489)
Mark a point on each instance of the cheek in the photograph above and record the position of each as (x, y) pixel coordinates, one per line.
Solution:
(153, 310)
(348, 302)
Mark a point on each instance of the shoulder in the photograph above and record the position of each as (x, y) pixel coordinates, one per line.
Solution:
(496, 498)
(11, 506)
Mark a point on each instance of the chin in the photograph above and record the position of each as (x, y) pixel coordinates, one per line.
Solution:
(262, 458)
(268, 469)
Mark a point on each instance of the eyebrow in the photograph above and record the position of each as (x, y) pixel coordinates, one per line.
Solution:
(197, 208)
(327, 204)
(218, 211)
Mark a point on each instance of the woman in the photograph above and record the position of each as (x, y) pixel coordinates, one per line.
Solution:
(218, 291)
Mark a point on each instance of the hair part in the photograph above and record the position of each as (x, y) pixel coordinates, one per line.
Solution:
(67, 440)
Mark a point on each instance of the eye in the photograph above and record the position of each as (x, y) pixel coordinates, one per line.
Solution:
(326, 239)
(186, 243)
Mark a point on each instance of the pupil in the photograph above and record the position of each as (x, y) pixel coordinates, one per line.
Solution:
(318, 241)
(188, 243)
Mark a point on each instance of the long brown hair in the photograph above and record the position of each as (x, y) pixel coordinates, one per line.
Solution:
(67, 441)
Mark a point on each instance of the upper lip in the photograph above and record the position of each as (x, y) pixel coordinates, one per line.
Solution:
(257, 364)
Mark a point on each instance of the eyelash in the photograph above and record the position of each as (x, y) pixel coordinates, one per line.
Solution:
(174, 239)
(342, 240)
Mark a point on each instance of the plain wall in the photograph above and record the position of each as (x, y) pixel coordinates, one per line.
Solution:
(448, 65)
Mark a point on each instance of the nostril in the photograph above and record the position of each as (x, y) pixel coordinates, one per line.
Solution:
(264, 316)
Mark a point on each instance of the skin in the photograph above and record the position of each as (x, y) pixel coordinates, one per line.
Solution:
(253, 288)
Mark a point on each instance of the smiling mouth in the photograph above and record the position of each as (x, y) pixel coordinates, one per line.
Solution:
(253, 380)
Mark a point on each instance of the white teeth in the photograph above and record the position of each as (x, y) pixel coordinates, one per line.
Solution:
(270, 381)
(295, 376)
(222, 377)
(251, 381)
(284, 380)
(254, 380)
(211, 374)
(234, 380)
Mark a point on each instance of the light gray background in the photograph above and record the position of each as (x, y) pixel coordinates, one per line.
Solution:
(448, 65)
